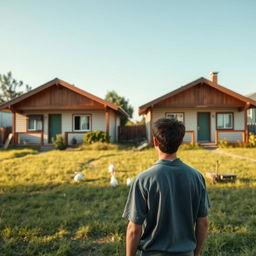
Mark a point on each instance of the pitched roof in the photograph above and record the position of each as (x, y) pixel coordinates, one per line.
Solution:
(73, 88)
(252, 96)
(143, 109)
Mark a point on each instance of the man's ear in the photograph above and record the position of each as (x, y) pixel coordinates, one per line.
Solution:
(156, 143)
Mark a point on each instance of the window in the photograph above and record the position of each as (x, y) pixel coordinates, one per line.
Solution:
(224, 120)
(35, 123)
(176, 116)
(81, 123)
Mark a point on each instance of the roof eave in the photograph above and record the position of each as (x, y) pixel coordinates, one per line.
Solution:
(143, 109)
(8, 104)
(172, 93)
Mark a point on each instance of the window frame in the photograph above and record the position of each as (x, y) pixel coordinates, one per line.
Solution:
(79, 114)
(225, 113)
(29, 117)
(183, 115)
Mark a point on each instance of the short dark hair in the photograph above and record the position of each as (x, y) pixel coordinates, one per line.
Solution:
(169, 133)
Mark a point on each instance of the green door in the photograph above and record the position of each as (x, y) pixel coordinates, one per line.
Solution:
(54, 126)
(203, 123)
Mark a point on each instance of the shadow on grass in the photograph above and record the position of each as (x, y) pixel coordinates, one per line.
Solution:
(122, 171)
(246, 180)
(97, 179)
(65, 219)
(19, 154)
(85, 219)
(240, 180)
(84, 165)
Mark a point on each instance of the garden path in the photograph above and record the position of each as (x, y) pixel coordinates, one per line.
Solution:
(219, 151)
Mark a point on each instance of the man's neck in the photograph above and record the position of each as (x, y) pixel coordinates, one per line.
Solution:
(164, 156)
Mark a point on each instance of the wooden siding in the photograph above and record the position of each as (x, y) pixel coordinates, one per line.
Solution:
(112, 126)
(189, 137)
(201, 95)
(132, 133)
(5, 119)
(97, 119)
(230, 136)
(57, 97)
(79, 136)
(29, 138)
(191, 119)
(20, 122)
(148, 120)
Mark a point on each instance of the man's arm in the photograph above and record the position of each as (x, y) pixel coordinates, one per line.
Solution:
(201, 233)
(133, 235)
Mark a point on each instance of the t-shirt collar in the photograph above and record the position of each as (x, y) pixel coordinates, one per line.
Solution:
(167, 161)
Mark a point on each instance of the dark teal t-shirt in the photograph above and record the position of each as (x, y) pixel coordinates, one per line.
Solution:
(167, 199)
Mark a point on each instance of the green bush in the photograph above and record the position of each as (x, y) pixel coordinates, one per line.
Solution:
(59, 142)
(97, 136)
(252, 140)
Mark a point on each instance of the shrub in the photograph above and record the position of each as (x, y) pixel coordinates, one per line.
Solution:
(250, 144)
(252, 140)
(97, 136)
(188, 146)
(223, 143)
(59, 142)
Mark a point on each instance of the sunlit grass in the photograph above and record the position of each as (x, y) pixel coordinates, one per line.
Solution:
(44, 212)
(247, 152)
(12, 153)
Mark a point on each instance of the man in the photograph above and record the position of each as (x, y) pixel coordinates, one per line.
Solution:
(167, 206)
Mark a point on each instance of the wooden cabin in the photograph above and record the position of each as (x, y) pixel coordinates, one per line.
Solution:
(209, 111)
(58, 107)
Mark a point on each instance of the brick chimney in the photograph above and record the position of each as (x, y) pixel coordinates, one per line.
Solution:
(214, 77)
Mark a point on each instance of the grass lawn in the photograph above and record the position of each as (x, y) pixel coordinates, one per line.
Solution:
(12, 153)
(43, 212)
(247, 152)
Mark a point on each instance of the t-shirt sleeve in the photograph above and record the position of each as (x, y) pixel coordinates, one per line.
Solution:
(136, 206)
(204, 204)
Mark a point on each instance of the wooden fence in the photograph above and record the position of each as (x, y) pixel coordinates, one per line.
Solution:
(4, 132)
(252, 128)
(132, 133)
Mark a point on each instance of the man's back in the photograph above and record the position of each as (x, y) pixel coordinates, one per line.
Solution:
(167, 205)
(167, 199)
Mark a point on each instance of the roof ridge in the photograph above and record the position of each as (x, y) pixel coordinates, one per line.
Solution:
(143, 108)
(68, 86)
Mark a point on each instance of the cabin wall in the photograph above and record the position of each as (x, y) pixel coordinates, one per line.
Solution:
(5, 119)
(190, 118)
(21, 122)
(239, 123)
(190, 121)
(112, 126)
(148, 117)
(97, 123)
(251, 115)
(118, 123)
(230, 136)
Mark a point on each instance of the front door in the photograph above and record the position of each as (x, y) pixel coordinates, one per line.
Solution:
(203, 126)
(54, 126)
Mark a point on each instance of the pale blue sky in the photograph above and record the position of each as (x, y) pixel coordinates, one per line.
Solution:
(142, 49)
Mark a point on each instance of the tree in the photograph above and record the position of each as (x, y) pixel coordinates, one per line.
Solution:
(10, 88)
(113, 97)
